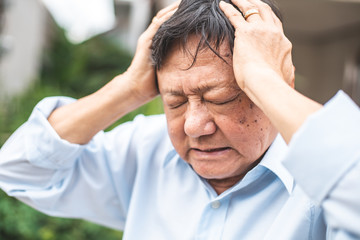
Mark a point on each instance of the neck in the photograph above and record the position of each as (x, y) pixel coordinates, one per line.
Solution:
(221, 185)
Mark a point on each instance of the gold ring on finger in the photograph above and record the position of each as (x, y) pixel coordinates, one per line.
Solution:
(250, 12)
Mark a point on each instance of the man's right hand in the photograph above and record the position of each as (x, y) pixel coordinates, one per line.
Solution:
(80, 121)
(141, 71)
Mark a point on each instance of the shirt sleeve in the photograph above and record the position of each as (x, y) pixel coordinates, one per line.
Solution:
(69, 180)
(324, 159)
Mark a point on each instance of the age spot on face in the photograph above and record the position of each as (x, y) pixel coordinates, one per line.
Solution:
(243, 120)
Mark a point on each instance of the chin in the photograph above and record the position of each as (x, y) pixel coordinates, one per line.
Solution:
(214, 173)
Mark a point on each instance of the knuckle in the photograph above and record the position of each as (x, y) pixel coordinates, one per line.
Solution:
(156, 24)
(288, 44)
(276, 32)
(251, 6)
(155, 20)
(233, 15)
(160, 13)
(266, 6)
(236, 2)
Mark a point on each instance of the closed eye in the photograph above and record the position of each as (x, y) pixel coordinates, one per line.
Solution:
(216, 102)
(176, 105)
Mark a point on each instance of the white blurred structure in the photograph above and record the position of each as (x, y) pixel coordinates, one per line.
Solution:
(23, 33)
(133, 18)
(82, 19)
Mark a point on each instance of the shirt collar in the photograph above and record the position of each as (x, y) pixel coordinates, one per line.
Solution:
(272, 161)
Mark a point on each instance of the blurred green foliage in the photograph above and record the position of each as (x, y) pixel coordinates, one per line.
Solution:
(68, 70)
(20, 222)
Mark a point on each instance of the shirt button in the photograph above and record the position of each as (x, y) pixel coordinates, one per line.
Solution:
(215, 204)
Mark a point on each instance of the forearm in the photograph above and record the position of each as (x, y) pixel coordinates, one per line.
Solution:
(286, 108)
(80, 121)
(324, 159)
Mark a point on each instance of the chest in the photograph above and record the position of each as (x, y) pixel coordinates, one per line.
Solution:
(179, 205)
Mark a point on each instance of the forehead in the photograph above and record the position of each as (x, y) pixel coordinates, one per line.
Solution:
(179, 53)
(209, 70)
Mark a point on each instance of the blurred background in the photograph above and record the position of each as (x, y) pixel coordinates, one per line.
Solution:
(72, 48)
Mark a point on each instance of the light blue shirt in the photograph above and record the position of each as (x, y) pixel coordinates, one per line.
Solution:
(132, 179)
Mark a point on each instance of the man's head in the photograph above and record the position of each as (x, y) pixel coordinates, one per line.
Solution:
(212, 124)
(202, 18)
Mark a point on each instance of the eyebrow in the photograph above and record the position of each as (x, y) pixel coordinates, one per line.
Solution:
(197, 90)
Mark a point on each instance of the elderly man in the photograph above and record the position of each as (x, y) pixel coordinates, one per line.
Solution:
(213, 168)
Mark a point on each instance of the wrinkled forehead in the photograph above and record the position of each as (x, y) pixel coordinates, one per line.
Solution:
(208, 71)
(185, 55)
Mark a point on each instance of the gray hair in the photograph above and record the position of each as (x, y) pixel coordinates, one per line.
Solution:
(203, 18)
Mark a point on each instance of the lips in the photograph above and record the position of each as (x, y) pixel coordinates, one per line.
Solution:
(220, 153)
(211, 149)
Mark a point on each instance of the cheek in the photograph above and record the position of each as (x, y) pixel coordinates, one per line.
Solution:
(177, 135)
(251, 118)
(175, 128)
(253, 122)
(248, 130)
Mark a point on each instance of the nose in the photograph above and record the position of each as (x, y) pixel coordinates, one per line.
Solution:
(198, 121)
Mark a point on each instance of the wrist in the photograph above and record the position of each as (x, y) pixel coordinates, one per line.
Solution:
(259, 83)
(120, 94)
(141, 84)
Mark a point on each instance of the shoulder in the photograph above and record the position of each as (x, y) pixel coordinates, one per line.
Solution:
(146, 126)
(144, 132)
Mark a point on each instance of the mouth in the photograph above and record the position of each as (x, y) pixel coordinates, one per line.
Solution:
(210, 150)
(210, 153)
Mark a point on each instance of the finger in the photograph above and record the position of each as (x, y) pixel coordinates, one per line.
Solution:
(235, 17)
(265, 10)
(267, 13)
(250, 11)
(277, 20)
(156, 22)
(252, 15)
